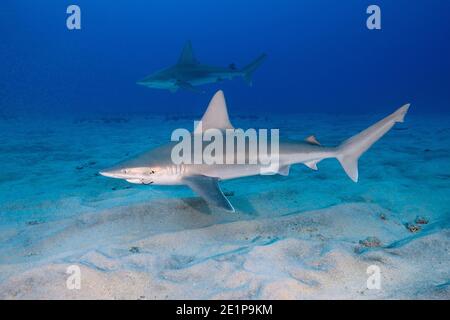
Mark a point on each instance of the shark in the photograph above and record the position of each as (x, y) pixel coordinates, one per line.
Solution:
(157, 167)
(188, 73)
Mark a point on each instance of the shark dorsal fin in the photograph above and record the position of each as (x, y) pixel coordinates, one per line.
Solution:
(312, 140)
(216, 116)
(187, 55)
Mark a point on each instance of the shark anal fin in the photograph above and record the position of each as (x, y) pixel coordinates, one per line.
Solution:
(208, 188)
(312, 140)
(311, 164)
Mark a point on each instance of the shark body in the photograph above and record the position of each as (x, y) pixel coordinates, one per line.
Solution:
(156, 166)
(188, 73)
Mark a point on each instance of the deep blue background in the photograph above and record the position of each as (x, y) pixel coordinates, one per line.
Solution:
(321, 56)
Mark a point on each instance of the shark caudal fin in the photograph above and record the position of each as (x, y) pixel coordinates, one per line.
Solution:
(249, 69)
(350, 150)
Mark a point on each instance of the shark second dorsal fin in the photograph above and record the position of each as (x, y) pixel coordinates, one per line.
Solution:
(312, 140)
(187, 56)
(216, 116)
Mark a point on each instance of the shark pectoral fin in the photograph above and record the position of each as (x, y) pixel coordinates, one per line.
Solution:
(187, 86)
(284, 170)
(208, 188)
(311, 164)
(173, 89)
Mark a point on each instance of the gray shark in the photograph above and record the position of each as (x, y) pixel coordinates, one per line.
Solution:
(156, 166)
(189, 73)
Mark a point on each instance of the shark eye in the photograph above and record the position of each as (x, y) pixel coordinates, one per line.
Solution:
(124, 171)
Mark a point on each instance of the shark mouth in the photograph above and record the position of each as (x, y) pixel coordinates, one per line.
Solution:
(140, 181)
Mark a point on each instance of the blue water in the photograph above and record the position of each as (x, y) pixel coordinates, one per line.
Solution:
(321, 56)
(69, 107)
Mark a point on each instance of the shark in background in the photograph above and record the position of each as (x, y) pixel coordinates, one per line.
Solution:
(156, 166)
(188, 73)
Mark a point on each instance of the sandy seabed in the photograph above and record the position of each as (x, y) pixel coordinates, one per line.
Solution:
(311, 235)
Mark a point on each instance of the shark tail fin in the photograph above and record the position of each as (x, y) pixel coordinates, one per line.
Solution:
(350, 150)
(250, 69)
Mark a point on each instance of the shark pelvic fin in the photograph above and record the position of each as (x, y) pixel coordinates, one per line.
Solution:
(312, 140)
(284, 170)
(187, 55)
(208, 188)
(216, 116)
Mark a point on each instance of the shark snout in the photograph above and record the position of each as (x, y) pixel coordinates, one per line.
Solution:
(107, 174)
(113, 173)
